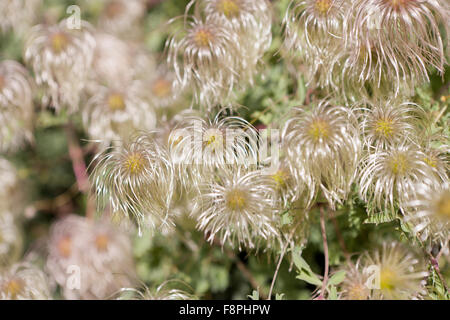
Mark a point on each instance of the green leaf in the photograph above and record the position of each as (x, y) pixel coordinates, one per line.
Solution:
(312, 279)
(337, 278)
(254, 295)
(279, 296)
(333, 293)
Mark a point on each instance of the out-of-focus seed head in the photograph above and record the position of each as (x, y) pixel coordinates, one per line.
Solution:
(16, 106)
(23, 281)
(428, 211)
(122, 17)
(102, 252)
(400, 273)
(10, 239)
(12, 195)
(112, 113)
(18, 15)
(61, 59)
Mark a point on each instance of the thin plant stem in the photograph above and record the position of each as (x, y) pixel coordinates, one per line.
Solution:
(325, 252)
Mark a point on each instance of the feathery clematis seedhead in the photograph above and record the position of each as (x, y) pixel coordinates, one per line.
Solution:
(23, 281)
(10, 239)
(387, 123)
(136, 180)
(323, 147)
(396, 40)
(387, 177)
(61, 59)
(16, 106)
(204, 56)
(354, 286)
(18, 15)
(237, 208)
(122, 17)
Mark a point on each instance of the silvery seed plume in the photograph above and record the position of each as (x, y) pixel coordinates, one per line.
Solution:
(16, 106)
(113, 112)
(428, 212)
(23, 281)
(389, 122)
(61, 59)
(11, 241)
(18, 15)
(313, 33)
(388, 177)
(200, 145)
(404, 36)
(436, 148)
(204, 58)
(136, 180)
(101, 252)
(323, 146)
(237, 208)
(400, 273)
(251, 20)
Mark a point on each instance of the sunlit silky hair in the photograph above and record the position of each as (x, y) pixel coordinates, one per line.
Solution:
(23, 281)
(428, 212)
(96, 251)
(313, 32)
(436, 148)
(324, 148)
(61, 58)
(237, 208)
(113, 112)
(16, 106)
(201, 145)
(252, 22)
(388, 177)
(136, 180)
(204, 57)
(122, 17)
(400, 39)
(400, 273)
(389, 122)
(11, 241)
(18, 15)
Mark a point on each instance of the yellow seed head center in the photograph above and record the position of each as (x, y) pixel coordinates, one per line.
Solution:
(443, 206)
(280, 178)
(357, 292)
(387, 279)
(116, 102)
(134, 163)
(202, 38)
(396, 4)
(213, 139)
(229, 8)
(14, 287)
(431, 161)
(161, 88)
(399, 164)
(65, 247)
(59, 42)
(319, 129)
(384, 128)
(236, 199)
(101, 242)
(322, 6)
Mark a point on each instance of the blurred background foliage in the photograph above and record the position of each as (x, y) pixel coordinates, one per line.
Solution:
(208, 271)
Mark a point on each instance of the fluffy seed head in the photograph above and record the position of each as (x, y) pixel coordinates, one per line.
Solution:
(323, 147)
(61, 59)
